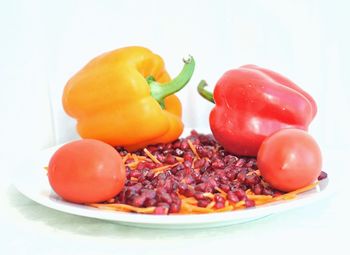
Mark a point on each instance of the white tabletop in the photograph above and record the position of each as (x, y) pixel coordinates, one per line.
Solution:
(29, 228)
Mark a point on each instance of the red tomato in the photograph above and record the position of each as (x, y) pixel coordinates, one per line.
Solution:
(289, 159)
(86, 171)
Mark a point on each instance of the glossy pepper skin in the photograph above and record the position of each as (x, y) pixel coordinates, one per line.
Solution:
(124, 98)
(251, 104)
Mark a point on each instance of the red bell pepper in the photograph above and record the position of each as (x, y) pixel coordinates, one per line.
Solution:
(252, 103)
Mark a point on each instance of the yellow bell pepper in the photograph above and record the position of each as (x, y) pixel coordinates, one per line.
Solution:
(125, 98)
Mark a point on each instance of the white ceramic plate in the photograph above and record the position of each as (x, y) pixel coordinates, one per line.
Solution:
(31, 180)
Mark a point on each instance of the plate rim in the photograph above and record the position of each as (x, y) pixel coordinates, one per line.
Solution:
(236, 215)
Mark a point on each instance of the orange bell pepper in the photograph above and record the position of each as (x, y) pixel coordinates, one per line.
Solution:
(125, 98)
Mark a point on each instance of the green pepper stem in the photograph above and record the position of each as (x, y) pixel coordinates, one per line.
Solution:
(161, 91)
(205, 93)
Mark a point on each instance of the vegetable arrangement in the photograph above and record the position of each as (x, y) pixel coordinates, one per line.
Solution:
(132, 159)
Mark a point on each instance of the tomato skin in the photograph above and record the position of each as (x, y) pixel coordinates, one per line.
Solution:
(86, 171)
(289, 159)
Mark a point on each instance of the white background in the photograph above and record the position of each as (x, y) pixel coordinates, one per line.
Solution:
(43, 43)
